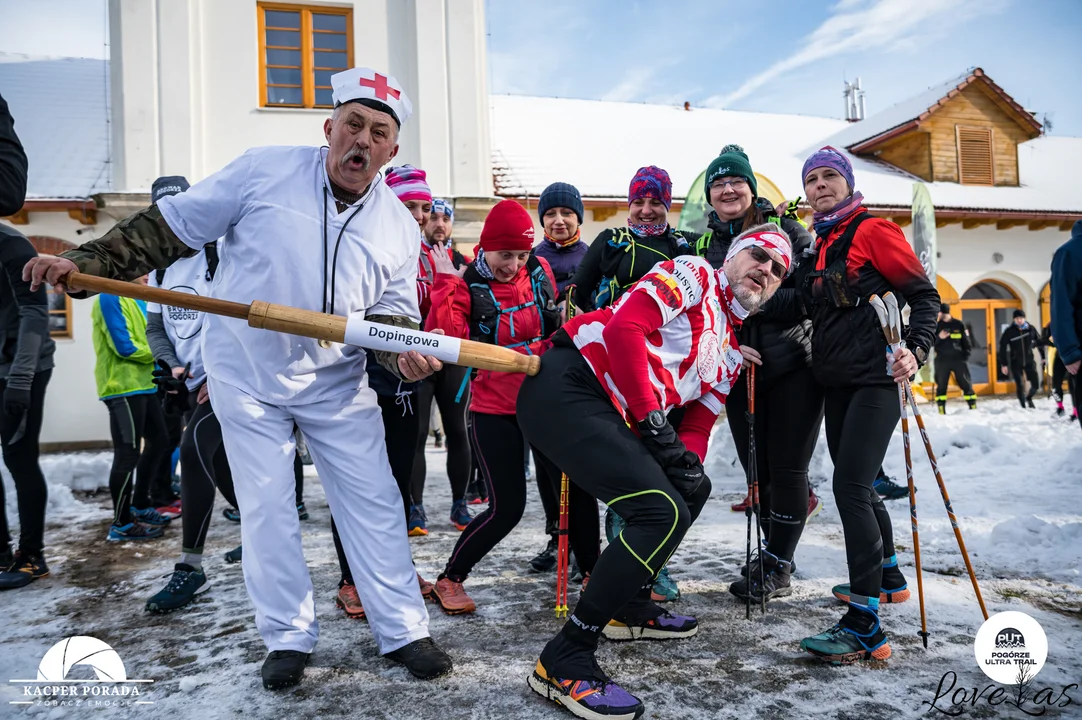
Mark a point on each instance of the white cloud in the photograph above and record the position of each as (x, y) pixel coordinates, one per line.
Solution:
(854, 27)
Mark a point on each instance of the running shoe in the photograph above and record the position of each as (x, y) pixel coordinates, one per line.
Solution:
(460, 516)
(665, 626)
(349, 601)
(134, 531)
(452, 597)
(545, 561)
(149, 516)
(743, 505)
(185, 583)
(591, 699)
(665, 588)
(172, 511)
(815, 506)
(302, 511)
(845, 645)
(235, 555)
(24, 569)
(888, 489)
(231, 514)
(418, 524)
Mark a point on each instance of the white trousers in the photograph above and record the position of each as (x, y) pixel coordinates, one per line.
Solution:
(346, 441)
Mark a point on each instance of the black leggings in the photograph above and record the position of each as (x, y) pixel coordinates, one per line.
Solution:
(21, 459)
(132, 420)
(1059, 374)
(400, 428)
(1029, 370)
(444, 387)
(788, 415)
(548, 489)
(161, 489)
(204, 467)
(860, 422)
(498, 444)
(569, 419)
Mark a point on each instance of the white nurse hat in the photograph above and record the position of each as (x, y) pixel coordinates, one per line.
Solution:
(373, 89)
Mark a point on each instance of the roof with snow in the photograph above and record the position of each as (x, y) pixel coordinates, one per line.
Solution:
(921, 106)
(61, 111)
(597, 146)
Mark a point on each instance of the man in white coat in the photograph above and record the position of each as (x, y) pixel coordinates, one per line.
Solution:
(314, 228)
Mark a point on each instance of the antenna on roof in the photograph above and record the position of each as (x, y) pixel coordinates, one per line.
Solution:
(854, 101)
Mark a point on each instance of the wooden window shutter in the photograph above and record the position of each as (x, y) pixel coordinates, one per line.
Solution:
(974, 155)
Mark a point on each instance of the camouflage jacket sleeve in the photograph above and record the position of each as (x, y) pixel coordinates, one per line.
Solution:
(134, 246)
(389, 360)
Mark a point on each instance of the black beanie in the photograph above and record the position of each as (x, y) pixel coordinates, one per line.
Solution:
(945, 308)
(167, 185)
(1019, 313)
(560, 194)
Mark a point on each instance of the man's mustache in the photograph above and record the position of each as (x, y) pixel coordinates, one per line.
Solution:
(365, 156)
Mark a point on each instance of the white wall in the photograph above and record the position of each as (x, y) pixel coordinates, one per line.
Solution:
(186, 87)
(73, 412)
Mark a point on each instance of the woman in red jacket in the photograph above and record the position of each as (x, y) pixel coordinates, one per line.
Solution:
(505, 297)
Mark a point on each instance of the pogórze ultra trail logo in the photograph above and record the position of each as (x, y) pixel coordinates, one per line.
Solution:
(81, 655)
(1010, 648)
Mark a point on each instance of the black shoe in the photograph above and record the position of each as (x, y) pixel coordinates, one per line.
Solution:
(888, 489)
(776, 580)
(754, 559)
(231, 514)
(235, 555)
(545, 561)
(283, 668)
(972, 404)
(575, 574)
(423, 658)
(1029, 404)
(302, 511)
(23, 570)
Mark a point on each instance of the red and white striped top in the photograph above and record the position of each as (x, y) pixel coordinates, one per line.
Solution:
(693, 355)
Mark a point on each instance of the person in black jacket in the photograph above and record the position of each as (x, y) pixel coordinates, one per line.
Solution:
(789, 402)
(26, 364)
(619, 257)
(858, 255)
(952, 350)
(1016, 346)
(13, 166)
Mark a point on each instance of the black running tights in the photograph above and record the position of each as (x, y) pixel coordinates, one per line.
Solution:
(788, 415)
(204, 467)
(133, 420)
(21, 459)
(569, 419)
(859, 425)
(443, 387)
(498, 445)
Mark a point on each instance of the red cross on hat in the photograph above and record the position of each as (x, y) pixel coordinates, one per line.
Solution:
(376, 90)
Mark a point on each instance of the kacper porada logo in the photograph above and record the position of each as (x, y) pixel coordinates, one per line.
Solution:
(111, 686)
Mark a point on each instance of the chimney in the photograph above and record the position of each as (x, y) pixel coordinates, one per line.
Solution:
(854, 101)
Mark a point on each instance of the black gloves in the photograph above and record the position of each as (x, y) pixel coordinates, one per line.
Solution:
(173, 390)
(681, 466)
(16, 400)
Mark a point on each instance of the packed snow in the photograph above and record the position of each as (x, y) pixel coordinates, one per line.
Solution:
(1015, 481)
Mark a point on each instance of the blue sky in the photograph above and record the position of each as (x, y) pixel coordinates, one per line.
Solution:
(785, 56)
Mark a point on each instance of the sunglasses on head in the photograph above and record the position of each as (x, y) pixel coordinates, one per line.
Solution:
(777, 270)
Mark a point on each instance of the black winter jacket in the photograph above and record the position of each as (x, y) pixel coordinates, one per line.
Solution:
(779, 331)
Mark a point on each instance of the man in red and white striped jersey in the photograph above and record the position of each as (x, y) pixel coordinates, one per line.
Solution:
(624, 403)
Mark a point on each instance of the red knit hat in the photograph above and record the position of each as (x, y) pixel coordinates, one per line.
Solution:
(507, 227)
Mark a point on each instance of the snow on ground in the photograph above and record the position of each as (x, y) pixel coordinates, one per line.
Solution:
(1015, 480)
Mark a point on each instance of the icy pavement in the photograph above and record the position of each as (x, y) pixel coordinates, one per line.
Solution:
(1015, 480)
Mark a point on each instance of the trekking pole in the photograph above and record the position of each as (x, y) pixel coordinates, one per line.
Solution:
(753, 507)
(562, 558)
(891, 300)
(892, 333)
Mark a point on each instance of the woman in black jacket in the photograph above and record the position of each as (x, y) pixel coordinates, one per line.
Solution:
(789, 403)
(858, 255)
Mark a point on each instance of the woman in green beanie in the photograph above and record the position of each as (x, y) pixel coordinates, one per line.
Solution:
(789, 403)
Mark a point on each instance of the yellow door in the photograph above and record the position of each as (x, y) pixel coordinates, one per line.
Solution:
(986, 309)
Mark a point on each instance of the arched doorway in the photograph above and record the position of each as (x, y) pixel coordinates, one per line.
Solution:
(986, 311)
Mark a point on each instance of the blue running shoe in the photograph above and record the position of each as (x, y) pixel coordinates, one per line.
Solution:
(460, 515)
(184, 585)
(302, 511)
(843, 645)
(418, 524)
(665, 588)
(150, 516)
(133, 531)
(888, 489)
(231, 514)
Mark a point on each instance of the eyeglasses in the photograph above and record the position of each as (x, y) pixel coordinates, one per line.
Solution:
(734, 184)
(761, 256)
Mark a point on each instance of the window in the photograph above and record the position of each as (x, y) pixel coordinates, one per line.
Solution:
(59, 313)
(974, 155)
(300, 47)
